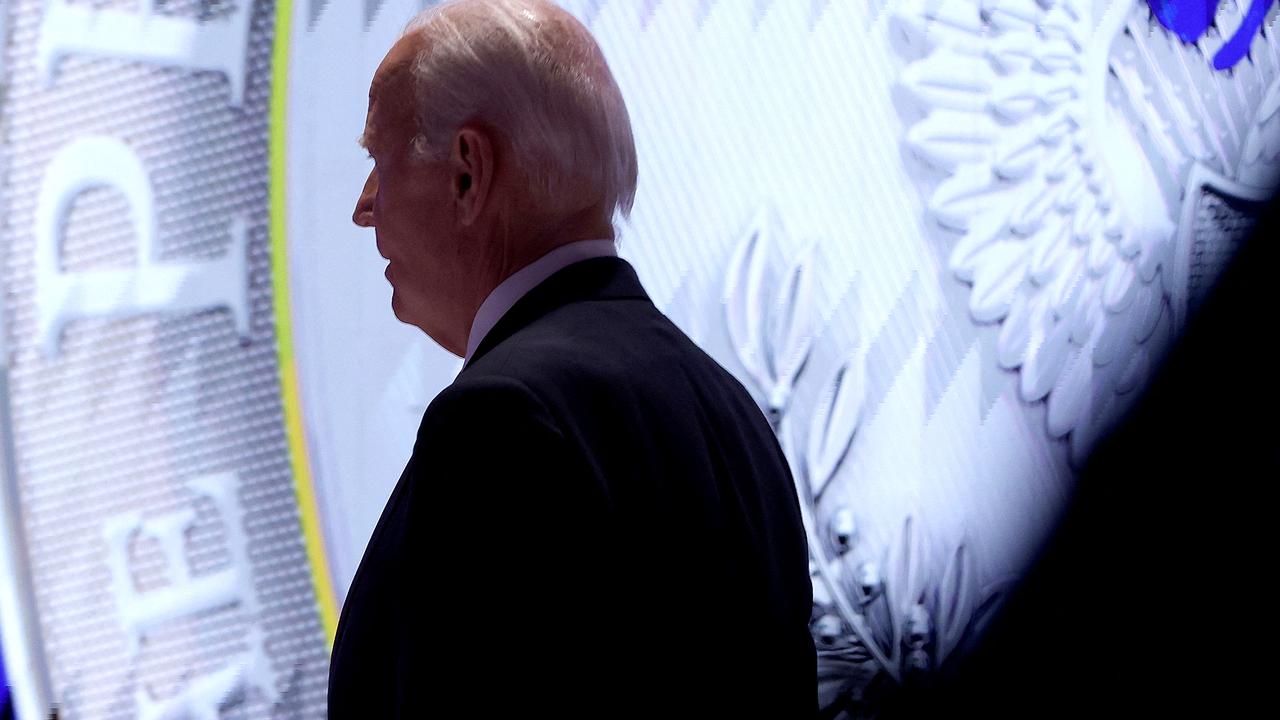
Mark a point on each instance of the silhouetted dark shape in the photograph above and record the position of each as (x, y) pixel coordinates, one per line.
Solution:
(1148, 601)
(597, 521)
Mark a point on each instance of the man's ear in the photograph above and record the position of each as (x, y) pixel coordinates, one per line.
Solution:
(472, 163)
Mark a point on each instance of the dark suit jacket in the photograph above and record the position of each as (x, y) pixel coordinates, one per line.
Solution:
(596, 521)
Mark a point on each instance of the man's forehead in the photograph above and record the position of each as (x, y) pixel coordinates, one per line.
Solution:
(367, 134)
(377, 87)
(389, 82)
(396, 62)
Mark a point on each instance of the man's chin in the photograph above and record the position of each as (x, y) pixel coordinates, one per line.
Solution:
(403, 314)
(397, 308)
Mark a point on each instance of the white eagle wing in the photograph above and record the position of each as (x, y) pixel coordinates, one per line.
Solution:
(1065, 230)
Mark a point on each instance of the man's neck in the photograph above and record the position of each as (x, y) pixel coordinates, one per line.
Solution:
(519, 246)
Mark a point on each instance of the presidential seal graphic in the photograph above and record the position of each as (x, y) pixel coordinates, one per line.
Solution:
(156, 561)
(1090, 152)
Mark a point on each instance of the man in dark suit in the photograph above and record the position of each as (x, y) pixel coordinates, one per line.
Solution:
(596, 520)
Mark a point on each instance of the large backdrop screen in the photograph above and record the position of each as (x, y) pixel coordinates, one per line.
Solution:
(944, 243)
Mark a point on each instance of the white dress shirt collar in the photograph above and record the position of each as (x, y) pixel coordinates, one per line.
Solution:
(525, 279)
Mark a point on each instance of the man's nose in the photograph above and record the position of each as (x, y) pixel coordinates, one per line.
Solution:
(363, 215)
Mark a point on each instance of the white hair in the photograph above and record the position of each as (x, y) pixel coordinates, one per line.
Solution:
(535, 75)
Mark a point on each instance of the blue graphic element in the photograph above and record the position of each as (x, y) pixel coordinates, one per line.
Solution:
(4, 691)
(1190, 19)
(1238, 46)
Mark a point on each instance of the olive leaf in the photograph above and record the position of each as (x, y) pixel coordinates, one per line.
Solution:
(840, 678)
(771, 328)
(791, 326)
(743, 294)
(905, 584)
(993, 596)
(834, 423)
(955, 601)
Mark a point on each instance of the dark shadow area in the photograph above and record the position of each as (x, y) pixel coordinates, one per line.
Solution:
(1150, 596)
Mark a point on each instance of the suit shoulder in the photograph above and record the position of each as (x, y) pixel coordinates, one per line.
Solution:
(607, 348)
(486, 400)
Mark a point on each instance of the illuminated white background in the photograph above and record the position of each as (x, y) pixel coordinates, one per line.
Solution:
(855, 142)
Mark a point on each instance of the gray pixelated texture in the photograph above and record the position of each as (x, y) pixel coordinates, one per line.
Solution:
(132, 409)
(1221, 224)
(316, 8)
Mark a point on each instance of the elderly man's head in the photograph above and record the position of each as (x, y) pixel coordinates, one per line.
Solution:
(498, 134)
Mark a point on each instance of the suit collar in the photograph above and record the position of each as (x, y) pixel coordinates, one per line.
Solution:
(599, 278)
(526, 278)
